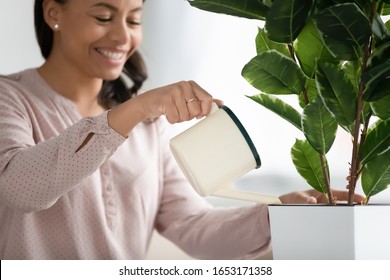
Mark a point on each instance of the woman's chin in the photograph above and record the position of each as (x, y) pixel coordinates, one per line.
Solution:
(111, 76)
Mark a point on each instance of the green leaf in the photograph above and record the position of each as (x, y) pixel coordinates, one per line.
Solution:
(286, 19)
(352, 71)
(309, 48)
(337, 92)
(385, 10)
(280, 108)
(252, 9)
(271, 72)
(379, 29)
(319, 126)
(308, 164)
(321, 5)
(381, 108)
(364, 5)
(382, 89)
(376, 175)
(379, 55)
(345, 39)
(377, 82)
(366, 113)
(311, 92)
(264, 44)
(377, 141)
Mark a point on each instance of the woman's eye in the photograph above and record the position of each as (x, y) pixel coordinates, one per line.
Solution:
(103, 19)
(133, 22)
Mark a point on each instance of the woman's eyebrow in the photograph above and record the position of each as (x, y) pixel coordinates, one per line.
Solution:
(112, 8)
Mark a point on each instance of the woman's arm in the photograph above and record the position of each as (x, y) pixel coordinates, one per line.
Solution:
(34, 175)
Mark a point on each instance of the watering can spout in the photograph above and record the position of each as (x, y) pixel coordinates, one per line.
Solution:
(229, 191)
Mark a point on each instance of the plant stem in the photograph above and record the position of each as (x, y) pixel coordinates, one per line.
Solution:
(355, 161)
(305, 96)
(292, 52)
(355, 156)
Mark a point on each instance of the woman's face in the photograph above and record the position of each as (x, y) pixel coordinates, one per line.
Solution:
(96, 37)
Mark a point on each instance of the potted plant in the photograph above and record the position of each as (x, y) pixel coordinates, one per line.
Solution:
(334, 56)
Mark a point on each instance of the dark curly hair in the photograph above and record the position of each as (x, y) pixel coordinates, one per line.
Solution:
(113, 92)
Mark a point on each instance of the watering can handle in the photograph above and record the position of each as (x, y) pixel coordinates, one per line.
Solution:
(229, 192)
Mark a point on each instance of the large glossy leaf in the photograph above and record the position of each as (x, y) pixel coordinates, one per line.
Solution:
(344, 38)
(382, 89)
(252, 9)
(377, 82)
(280, 108)
(309, 48)
(319, 126)
(379, 55)
(308, 164)
(263, 43)
(376, 175)
(274, 73)
(364, 5)
(320, 5)
(381, 108)
(337, 92)
(377, 141)
(286, 18)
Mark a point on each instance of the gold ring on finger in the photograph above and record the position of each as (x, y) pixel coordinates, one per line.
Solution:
(192, 99)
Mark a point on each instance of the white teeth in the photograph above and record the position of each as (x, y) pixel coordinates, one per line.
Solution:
(111, 55)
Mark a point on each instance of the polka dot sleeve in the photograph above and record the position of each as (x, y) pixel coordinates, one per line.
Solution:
(33, 177)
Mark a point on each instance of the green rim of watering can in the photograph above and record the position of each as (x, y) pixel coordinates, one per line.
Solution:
(244, 134)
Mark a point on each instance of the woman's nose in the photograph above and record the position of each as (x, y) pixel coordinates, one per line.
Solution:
(120, 33)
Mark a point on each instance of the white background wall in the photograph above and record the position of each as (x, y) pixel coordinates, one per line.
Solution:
(18, 47)
(184, 43)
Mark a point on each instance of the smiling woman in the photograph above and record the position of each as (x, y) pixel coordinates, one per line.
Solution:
(102, 30)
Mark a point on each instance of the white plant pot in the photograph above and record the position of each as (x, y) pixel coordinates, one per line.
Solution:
(323, 232)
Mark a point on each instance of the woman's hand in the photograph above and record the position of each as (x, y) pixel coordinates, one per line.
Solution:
(313, 196)
(179, 102)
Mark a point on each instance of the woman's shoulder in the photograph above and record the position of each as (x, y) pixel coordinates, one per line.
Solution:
(19, 84)
(16, 80)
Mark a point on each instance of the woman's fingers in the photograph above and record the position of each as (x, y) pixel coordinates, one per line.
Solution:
(312, 197)
(343, 196)
(204, 99)
(179, 102)
(311, 200)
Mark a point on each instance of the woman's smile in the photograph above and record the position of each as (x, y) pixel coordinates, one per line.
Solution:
(113, 56)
